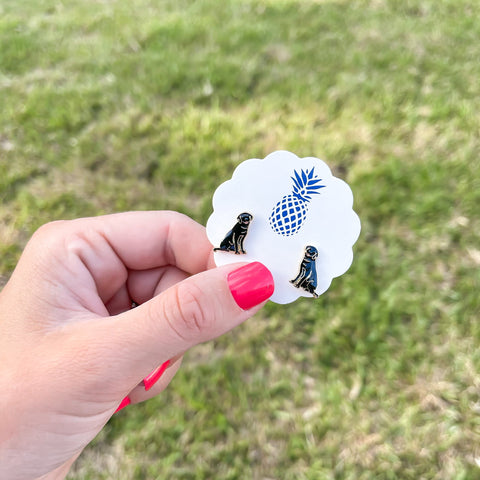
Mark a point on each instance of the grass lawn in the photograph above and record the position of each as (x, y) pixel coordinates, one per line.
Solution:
(109, 105)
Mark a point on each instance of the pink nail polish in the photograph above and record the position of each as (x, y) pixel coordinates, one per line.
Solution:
(251, 285)
(150, 381)
(126, 401)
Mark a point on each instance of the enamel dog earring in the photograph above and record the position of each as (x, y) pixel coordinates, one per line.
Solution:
(307, 276)
(233, 241)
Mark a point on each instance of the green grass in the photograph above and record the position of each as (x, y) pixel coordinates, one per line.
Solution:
(117, 105)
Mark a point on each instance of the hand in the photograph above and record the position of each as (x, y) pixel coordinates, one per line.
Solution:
(71, 347)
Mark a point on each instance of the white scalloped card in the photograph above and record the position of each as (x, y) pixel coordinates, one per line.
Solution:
(292, 215)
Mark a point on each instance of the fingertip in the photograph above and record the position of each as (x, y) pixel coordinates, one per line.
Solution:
(211, 260)
(150, 380)
(251, 285)
(125, 402)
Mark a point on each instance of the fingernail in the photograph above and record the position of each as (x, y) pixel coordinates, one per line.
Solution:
(152, 379)
(126, 401)
(251, 284)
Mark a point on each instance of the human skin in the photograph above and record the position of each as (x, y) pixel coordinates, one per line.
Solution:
(71, 346)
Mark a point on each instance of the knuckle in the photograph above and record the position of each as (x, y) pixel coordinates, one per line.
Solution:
(186, 313)
(49, 229)
(47, 234)
(46, 239)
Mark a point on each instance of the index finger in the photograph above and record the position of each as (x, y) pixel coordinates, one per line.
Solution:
(97, 254)
(144, 240)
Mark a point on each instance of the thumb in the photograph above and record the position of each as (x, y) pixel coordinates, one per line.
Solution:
(190, 312)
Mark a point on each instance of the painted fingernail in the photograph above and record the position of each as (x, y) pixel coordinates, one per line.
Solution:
(152, 379)
(126, 401)
(251, 285)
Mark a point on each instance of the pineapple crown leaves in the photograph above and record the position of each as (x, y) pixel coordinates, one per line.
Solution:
(305, 184)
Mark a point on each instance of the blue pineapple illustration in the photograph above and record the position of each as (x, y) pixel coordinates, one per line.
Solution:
(289, 213)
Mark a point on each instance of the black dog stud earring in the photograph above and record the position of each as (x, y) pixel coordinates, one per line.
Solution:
(307, 276)
(233, 241)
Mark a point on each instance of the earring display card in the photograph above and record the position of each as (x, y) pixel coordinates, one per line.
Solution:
(292, 215)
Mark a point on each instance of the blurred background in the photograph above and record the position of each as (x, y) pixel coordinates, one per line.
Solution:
(113, 105)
